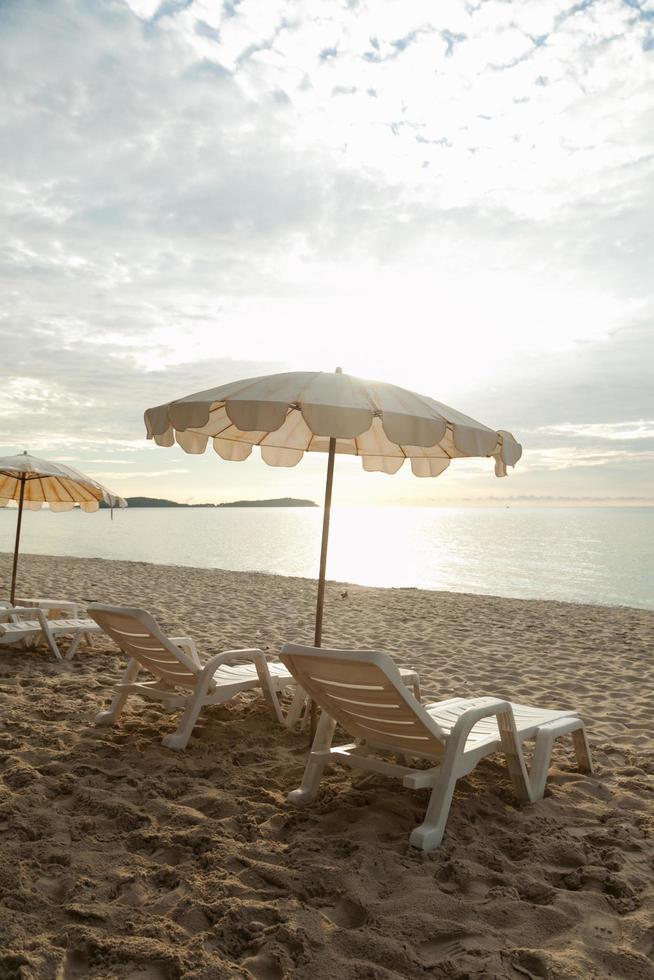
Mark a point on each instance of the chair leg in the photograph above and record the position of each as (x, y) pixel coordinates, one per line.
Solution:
(178, 740)
(75, 642)
(582, 750)
(529, 786)
(537, 777)
(295, 710)
(49, 635)
(430, 832)
(318, 759)
(110, 716)
(524, 784)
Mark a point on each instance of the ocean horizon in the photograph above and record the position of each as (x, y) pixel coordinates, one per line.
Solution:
(598, 555)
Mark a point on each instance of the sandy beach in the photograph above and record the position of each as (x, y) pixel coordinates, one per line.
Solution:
(123, 859)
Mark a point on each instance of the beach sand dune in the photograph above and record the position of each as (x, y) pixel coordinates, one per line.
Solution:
(122, 859)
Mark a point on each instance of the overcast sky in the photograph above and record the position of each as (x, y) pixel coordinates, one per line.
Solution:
(455, 197)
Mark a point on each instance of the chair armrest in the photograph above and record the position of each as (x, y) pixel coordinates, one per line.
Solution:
(230, 656)
(258, 658)
(455, 748)
(468, 720)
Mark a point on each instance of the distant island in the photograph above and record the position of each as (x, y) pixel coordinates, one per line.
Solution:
(162, 502)
(274, 502)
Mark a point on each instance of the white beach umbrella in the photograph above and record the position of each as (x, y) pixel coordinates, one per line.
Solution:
(286, 415)
(33, 482)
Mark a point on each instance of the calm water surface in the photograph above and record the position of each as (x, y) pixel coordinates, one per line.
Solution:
(598, 555)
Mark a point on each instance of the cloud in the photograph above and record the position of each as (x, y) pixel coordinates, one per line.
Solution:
(566, 457)
(136, 474)
(615, 431)
(195, 192)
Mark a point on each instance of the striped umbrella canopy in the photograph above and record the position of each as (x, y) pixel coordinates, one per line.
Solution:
(33, 482)
(287, 415)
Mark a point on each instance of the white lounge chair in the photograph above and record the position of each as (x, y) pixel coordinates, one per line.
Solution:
(364, 692)
(181, 680)
(31, 626)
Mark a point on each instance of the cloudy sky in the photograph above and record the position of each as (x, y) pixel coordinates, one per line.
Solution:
(456, 197)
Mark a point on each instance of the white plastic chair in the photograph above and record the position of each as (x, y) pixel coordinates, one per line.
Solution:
(181, 680)
(363, 691)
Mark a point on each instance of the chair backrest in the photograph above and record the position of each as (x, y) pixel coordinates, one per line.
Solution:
(7, 610)
(12, 614)
(138, 635)
(364, 691)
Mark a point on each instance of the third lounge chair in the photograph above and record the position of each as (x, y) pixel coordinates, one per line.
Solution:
(364, 692)
(21, 625)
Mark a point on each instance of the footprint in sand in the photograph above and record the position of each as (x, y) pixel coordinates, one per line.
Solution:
(476, 889)
(529, 965)
(132, 893)
(263, 967)
(602, 929)
(76, 964)
(346, 913)
(55, 889)
(172, 855)
(446, 947)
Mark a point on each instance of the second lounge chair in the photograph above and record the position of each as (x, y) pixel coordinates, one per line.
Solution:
(181, 680)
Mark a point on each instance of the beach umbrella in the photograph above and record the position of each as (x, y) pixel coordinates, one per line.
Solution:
(32, 482)
(287, 415)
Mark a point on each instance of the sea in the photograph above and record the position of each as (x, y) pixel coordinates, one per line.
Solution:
(592, 555)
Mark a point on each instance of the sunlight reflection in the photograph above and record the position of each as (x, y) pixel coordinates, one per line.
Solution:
(389, 546)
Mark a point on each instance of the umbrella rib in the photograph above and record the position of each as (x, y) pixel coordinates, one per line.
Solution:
(291, 408)
(85, 489)
(449, 426)
(58, 483)
(228, 423)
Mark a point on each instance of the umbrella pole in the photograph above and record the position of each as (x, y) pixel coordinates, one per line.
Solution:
(323, 561)
(18, 523)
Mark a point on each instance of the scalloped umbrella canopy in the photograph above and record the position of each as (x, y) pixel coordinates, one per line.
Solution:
(286, 415)
(289, 414)
(33, 482)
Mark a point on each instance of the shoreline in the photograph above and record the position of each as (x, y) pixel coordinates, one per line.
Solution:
(121, 859)
(6, 557)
